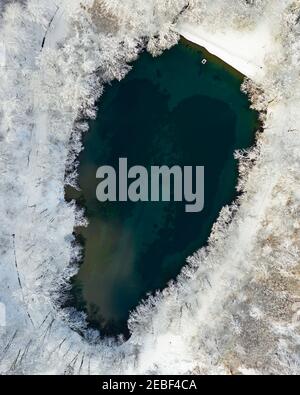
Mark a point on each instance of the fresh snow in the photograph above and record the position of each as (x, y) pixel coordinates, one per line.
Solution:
(234, 308)
(245, 52)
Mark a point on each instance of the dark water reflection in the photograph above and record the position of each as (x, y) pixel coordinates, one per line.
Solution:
(171, 110)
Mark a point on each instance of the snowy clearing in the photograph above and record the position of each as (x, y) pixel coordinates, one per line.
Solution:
(245, 52)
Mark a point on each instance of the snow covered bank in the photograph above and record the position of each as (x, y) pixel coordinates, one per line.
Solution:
(245, 52)
(235, 307)
(249, 48)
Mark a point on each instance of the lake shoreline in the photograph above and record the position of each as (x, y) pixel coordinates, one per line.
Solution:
(245, 53)
(216, 78)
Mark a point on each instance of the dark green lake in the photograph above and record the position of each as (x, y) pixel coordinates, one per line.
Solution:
(170, 110)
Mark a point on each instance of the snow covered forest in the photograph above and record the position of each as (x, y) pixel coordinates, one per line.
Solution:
(235, 308)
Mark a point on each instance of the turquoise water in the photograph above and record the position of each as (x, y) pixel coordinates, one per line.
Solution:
(171, 110)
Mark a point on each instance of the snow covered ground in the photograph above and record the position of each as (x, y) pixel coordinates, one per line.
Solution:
(234, 309)
(248, 51)
(245, 52)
